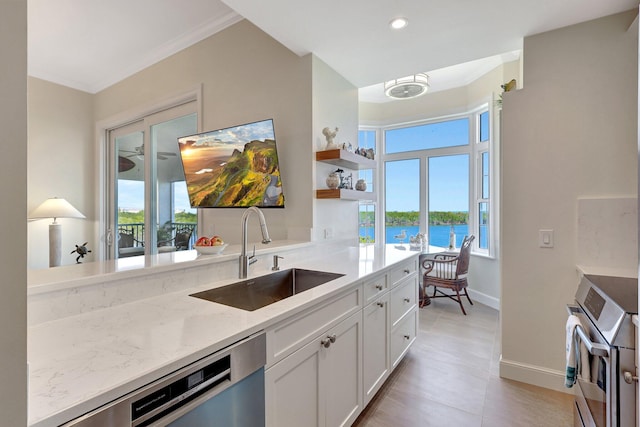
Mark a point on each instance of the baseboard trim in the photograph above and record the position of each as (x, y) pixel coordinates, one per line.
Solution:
(535, 375)
(485, 299)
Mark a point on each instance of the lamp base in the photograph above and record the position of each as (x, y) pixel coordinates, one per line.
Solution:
(55, 244)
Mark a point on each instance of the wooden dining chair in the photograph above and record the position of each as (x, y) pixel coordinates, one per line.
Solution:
(449, 271)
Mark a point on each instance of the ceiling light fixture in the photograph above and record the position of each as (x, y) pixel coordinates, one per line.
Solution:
(398, 23)
(407, 87)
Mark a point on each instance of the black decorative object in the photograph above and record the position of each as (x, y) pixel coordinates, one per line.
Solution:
(81, 251)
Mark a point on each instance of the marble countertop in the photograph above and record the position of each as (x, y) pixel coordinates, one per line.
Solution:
(64, 277)
(81, 362)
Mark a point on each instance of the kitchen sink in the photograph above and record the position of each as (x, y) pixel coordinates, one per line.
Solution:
(258, 292)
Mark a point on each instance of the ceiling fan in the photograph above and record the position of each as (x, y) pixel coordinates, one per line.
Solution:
(139, 152)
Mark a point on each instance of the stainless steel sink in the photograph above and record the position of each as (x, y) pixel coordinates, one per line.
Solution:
(258, 292)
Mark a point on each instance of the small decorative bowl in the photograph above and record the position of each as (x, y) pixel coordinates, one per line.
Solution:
(210, 250)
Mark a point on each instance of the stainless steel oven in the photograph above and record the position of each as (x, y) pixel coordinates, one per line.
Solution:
(605, 388)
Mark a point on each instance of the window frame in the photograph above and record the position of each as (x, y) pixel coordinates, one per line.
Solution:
(375, 185)
(107, 162)
(474, 149)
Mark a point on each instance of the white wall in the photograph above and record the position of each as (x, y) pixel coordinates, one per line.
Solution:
(335, 104)
(13, 211)
(61, 157)
(569, 133)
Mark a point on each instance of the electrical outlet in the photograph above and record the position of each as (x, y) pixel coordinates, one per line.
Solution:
(545, 238)
(328, 233)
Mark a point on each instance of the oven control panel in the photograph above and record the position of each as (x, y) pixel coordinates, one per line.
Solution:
(594, 302)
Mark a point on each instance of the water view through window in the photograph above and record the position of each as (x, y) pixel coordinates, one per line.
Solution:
(427, 182)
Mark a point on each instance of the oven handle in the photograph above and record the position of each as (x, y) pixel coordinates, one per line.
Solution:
(594, 348)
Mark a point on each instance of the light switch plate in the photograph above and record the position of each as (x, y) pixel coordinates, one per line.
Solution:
(545, 238)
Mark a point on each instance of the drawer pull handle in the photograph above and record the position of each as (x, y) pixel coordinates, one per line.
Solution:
(379, 287)
(407, 300)
(407, 271)
(328, 341)
(406, 337)
(380, 304)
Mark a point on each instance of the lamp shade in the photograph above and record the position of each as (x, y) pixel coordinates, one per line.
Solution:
(55, 208)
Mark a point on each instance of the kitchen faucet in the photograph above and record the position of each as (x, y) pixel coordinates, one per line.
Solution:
(245, 261)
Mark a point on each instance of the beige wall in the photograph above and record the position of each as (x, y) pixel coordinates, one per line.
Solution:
(484, 272)
(245, 76)
(13, 211)
(570, 132)
(61, 158)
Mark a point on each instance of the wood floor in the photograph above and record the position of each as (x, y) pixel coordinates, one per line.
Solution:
(450, 378)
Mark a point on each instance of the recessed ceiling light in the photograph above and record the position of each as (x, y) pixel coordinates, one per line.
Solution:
(398, 23)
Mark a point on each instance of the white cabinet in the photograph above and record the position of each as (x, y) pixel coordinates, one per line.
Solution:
(375, 346)
(319, 384)
(374, 287)
(402, 336)
(326, 363)
(404, 317)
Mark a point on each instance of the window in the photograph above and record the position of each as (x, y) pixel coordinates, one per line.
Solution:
(448, 194)
(149, 211)
(436, 177)
(367, 210)
(483, 182)
(402, 200)
(450, 133)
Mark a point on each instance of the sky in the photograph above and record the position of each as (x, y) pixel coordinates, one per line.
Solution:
(131, 196)
(448, 176)
(232, 138)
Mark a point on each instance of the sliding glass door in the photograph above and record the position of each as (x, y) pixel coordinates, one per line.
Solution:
(149, 210)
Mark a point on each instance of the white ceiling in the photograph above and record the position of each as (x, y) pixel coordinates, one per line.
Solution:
(92, 44)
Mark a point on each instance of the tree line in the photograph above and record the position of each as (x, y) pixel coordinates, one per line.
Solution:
(395, 218)
(138, 217)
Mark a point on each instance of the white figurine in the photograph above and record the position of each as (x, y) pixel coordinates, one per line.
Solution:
(330, 135)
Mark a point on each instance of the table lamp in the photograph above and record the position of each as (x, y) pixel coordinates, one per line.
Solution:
(55, 208)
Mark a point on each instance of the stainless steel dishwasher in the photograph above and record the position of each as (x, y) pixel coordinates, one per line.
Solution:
(223, 389)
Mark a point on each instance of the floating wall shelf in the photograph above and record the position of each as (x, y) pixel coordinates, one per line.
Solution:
(341, 193)
(349, 160)
(345, 159)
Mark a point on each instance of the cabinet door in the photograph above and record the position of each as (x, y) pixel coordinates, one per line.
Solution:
(402, 336)
(404, 298)
(343, 370)
(294, 394)
(375, 346)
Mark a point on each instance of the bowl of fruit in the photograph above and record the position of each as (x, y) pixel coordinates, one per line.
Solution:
(210, 245)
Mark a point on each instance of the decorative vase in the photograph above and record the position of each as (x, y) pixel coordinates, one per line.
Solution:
(361, 185)
(333, 180)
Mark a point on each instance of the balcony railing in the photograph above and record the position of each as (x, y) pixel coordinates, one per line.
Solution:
(175, 235)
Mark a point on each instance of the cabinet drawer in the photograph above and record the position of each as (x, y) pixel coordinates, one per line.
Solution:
(284, 338)
(374, 287)
(402, 336)
(403, 270)
(403, 299)
(376, 345)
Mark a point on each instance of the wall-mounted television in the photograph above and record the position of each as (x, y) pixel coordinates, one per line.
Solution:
(233, 167)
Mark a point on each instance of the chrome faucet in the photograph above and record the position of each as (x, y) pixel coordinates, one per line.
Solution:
(245, 261)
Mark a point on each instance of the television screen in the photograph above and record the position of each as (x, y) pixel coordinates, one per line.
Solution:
(233, 167)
